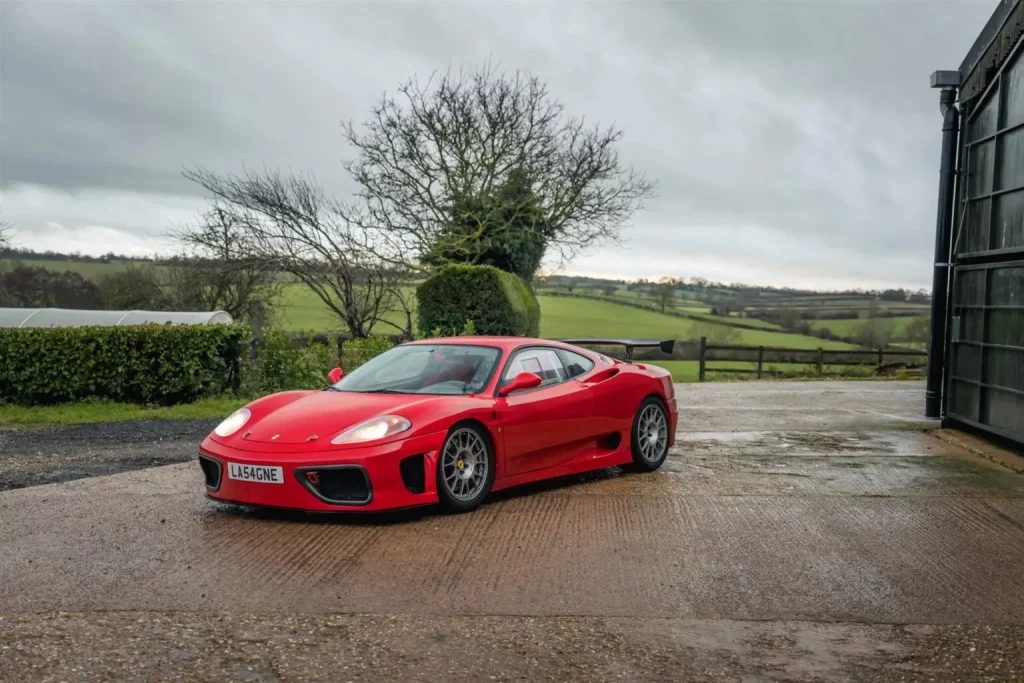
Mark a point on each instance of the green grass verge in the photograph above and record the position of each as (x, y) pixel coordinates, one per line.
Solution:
(89, 412)
(685, 371)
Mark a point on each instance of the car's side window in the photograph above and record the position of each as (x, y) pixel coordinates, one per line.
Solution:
(576, 364)
(542, 362)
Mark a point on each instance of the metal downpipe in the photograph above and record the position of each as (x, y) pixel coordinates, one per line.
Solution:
(943, 239)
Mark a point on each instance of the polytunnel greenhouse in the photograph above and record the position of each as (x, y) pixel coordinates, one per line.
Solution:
(69, 317)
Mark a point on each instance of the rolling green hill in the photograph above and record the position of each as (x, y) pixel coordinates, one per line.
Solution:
(565, 317)
(300, 310)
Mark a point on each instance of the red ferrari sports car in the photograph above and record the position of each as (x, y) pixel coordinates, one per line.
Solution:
(445, 421)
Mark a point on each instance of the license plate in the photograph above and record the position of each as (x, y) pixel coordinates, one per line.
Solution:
(260, 473)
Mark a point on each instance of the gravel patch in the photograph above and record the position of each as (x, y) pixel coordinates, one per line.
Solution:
(31, 457)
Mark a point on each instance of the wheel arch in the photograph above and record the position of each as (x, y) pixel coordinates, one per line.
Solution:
(464, 421)
(655, 395)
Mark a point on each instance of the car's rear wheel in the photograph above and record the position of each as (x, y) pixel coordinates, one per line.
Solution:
(649, 436)
(465, 468)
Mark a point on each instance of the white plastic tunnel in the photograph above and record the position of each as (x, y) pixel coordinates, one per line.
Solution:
(69, 317)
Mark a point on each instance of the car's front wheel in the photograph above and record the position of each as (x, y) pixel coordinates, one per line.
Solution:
(465, 468)
(649, 437)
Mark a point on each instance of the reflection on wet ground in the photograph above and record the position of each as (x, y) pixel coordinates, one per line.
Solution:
(867, 523)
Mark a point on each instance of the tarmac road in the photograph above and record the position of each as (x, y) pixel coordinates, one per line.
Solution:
(800, 531)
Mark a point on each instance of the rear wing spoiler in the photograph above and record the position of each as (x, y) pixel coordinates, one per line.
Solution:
(665, 345)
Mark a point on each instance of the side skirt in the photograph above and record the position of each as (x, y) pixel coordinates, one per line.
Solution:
(592, 459)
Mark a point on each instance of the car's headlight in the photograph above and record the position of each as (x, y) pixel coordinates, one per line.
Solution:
(233, 422)
(373, 429)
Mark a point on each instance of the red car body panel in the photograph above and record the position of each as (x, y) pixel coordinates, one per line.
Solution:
(574, 426)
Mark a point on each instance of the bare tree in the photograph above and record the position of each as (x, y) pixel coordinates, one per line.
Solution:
(5, 233)
(435, 148)
(221, 269)
(666, 292)
(875, 332)
(918, 330)
(134, 288)
(288, 223)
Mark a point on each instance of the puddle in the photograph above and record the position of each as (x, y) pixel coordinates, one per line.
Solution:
(807, 442)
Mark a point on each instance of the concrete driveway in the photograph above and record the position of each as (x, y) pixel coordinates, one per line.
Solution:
(800, 531)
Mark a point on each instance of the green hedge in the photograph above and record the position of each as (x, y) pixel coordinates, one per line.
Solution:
(495, 301)
(282, 362)
(355, 352)
(161, 364)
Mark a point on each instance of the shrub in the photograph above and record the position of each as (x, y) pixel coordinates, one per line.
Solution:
(33, 286)
(495, 302)
(133, 289)
(285, 361)
(163, 364)
(355, 352)
(280, 364)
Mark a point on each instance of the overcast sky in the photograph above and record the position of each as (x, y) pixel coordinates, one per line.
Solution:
(795, 143)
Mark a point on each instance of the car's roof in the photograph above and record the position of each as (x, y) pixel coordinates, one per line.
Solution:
(503, 343)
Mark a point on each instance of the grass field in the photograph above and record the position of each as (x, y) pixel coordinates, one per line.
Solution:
(301, 310)
(565, 317)
(848, 328)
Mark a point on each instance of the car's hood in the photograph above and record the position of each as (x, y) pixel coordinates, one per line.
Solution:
(324, 414)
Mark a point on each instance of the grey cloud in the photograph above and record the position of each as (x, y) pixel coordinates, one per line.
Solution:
(812, 120)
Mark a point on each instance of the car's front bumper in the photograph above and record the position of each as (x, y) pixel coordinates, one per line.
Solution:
(394, 475)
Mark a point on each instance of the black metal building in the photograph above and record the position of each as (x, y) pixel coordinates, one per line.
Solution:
(977, 351)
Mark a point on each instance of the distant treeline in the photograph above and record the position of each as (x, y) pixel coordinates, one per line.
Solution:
(16, 253)
(755, 296)
(751, 295)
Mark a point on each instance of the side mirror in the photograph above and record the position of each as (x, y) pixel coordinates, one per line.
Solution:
(524, 380)
(334, 376)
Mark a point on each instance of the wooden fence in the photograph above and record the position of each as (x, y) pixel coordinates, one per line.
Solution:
(821, 358)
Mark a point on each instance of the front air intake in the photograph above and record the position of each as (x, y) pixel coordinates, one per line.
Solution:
(413, 475)
(211, 471)
(337, 484)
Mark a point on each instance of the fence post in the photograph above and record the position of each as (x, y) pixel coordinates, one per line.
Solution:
(341, 343)
(703, 357)
(760, 360)
(881, 356)
(821, 361)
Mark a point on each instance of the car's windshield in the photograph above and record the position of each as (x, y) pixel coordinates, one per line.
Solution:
(425, 369)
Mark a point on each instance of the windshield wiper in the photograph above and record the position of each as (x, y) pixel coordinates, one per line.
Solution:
(382, 391)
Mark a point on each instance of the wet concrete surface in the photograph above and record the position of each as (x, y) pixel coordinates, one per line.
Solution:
(799, 531)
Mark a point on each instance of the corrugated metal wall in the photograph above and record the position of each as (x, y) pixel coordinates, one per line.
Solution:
(985, 377)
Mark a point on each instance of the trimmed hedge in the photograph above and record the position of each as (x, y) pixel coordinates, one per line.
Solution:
(160, 364)
(355, 352)
(496, 302)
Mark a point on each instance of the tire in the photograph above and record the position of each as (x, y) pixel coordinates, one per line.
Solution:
(461, 487)
(651, 417)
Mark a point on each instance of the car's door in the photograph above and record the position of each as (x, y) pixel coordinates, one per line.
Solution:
(544, 426)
